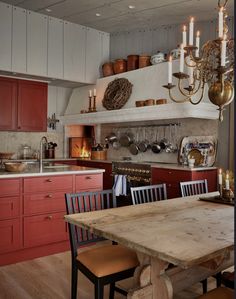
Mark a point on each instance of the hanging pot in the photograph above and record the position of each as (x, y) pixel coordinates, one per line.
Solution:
(155, 147)
(126, 139)
(143, 145)
(133, 148)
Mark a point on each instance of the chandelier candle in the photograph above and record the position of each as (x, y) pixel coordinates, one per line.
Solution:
(184, 36)
(223, 51)
(181, 65)
(191, 25)
(170, 70)
(221, 26)
(197, 44)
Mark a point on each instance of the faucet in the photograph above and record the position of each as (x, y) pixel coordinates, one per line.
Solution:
(42, 141)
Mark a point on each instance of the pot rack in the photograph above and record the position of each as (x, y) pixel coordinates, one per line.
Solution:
(150, 126)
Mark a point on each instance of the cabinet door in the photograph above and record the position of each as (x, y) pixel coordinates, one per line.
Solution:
(19, 40)
(93, 55)
(88, 182)
(37, 26)
(55, 48)
(5, 36)
(8, 104)
(74, 52)
(9, 207)
(32, 106)
(209, 175)
(10, 232)
(44, 229)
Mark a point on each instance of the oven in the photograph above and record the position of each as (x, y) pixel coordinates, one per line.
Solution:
(138, 174)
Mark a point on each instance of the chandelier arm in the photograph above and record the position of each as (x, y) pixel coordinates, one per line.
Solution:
(189, 65)
(184, 93)
(196, 103)
(219, 3)
(186, 99)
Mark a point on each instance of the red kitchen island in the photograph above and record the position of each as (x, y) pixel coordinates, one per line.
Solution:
(32, 209)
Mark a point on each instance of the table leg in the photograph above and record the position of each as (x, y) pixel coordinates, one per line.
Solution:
(151, 282)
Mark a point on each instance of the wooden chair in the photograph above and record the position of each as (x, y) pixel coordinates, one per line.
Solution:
(219, 293)
(145, 194)
(101, 265)
(193, 187)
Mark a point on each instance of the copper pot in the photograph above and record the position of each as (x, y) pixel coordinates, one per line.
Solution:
(144, 60)
(119, 66)
(107, 69)
(132, 62)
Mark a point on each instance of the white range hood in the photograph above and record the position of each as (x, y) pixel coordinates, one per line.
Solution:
(147, 84)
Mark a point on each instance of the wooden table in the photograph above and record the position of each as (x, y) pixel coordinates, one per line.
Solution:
(196, 236)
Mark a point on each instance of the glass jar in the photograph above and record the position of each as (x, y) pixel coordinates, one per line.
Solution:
(26, 152)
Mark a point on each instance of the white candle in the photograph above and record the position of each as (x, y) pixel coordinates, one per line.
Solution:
(90, 92)
(221, 26)
(181, 65)
(184, 36)
(223, 51)
(191, 25)
(227, 181)
(220, 177)
(94, 92)
(197, 44)
(170, 70)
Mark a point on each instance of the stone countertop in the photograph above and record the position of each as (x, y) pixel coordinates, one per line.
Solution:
(34, 171)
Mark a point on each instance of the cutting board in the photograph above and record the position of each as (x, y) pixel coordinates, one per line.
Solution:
(201, 148)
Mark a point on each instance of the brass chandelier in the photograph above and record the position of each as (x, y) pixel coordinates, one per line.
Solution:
(213, 64)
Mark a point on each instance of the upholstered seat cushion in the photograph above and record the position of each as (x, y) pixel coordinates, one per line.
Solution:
(109, 259)
(219, 293)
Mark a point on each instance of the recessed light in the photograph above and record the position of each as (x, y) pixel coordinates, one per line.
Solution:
(131, 6)
(98, 14)
(48, 10)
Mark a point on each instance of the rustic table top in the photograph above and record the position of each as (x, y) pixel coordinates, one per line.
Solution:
(182, 231)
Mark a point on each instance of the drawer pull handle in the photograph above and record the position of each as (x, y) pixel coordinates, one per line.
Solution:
(169, 185)
(49, 196)
(88, 178)
(49, 217)
(170, 172)
(49, 180)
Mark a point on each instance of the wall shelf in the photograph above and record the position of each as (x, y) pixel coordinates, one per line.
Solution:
(159, 112)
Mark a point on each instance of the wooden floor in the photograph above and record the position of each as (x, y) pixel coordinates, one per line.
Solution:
(49, 278)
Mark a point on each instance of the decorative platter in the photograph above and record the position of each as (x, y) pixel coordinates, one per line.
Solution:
(202, 148)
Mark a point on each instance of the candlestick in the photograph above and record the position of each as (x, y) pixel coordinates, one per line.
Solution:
(223, 51)
(90, 93)
(94, 104)
(191, 25)
(221, 19)
(94, 92)
(184, 36)
(170, 70)
(181, 65)
(90, 104)
(197, 44)
(227, 181)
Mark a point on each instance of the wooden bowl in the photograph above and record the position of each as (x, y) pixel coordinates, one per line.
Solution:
(149, 102)
(6, 155)
(161, 101)
(15, 166)
(140, 103)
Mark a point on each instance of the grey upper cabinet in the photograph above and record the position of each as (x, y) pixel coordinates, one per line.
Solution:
(5, 36)
(55, 48)
(93, 54)
(19, 40)
(74, 52)
(37, 29)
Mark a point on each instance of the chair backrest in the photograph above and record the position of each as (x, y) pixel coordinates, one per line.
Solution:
(86, 202)
(146, 194)
(193, 187)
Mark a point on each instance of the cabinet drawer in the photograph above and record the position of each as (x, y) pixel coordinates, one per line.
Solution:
(48, 183)
(160, 175)
(89, 182)
(10, 232)
(44, 229)
(9, 207)
(9, 187)
(44, 202)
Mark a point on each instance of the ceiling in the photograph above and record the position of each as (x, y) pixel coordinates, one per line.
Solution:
(115, 15)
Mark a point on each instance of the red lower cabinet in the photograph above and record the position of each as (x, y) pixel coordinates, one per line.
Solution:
(44, 229)
(10, 235)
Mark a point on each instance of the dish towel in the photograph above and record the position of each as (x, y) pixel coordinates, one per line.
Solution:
(120, 185)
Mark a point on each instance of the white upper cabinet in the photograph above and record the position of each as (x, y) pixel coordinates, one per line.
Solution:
(55, 48)
(5, 36)
(37, 29)
(74, 52)
(19, 40)
(93, 55)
